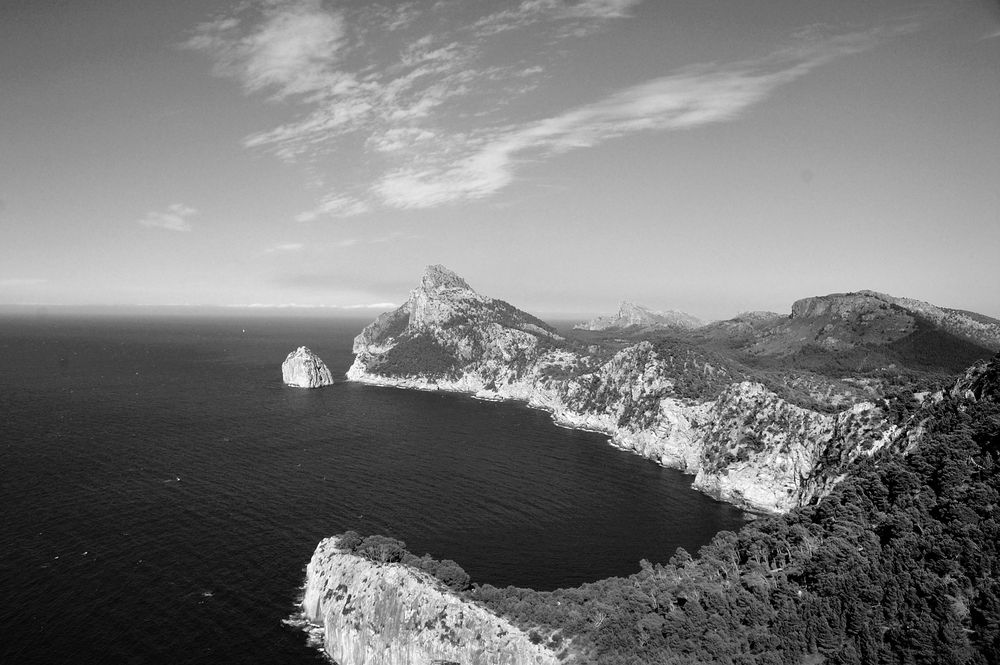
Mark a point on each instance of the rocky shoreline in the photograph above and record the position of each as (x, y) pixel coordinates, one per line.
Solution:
(772, 482)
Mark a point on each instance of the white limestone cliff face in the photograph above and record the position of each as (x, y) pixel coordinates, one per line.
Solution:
(746, 445)
(304, 369)
(389, 614)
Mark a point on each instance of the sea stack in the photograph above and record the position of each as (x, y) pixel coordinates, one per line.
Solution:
(304, 369)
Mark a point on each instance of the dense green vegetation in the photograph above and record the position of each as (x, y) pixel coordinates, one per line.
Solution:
(419, 354)
(496, 311)
(395, 324)
(383, 549)
(928, 348)
(900, 564)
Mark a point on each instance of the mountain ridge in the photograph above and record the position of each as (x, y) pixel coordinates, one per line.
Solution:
(763, 434)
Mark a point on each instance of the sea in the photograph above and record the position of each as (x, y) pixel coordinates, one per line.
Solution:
(161, 489)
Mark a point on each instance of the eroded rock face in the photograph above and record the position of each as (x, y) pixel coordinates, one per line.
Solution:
(389, 614)
(304, 369)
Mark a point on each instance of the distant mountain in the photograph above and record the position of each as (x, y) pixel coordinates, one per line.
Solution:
(631, 315)
(846, 333)
(871, 309)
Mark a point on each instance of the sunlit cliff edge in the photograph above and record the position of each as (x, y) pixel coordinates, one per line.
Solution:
(390, 614)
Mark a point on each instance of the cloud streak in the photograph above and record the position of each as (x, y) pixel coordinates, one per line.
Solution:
(334, 205)
(689, 98)
(177, 217)
(423, 107)
(286, 247)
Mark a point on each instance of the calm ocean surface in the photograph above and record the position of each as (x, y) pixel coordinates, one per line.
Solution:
(161, 490)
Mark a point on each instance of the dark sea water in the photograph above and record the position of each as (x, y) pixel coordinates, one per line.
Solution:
(161, 490)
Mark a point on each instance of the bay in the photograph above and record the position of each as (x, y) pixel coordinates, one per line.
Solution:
(162, 490)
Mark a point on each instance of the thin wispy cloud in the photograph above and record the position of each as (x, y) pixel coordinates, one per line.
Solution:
(374, 240)
(17, 282)
(372, 305)
(335, 205)
(177, 217)
(292, 305)
(286, 248)
(418, 94)
(686, 99)
(343, 243)
(529, 12)
(291, 50)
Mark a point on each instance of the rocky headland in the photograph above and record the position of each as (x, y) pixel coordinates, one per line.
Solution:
(391, 614)
(765, 436)
(304, 369)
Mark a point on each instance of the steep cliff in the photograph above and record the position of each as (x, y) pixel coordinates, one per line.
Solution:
(390, 614)
(675, 404)
(304, 369)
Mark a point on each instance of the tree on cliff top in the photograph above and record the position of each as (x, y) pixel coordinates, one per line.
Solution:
(349, 540)
(381, 549)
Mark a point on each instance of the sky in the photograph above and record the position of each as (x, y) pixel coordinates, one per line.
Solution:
(700, 155)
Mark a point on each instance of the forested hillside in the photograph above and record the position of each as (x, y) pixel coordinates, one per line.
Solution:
(900, 564)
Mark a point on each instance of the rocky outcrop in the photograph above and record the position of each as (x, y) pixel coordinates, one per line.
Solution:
(390, 614)
(980, 382)
(744, 443)
(304, 369)
(632, 315)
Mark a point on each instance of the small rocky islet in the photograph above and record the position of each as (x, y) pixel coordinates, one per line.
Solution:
(304, 369)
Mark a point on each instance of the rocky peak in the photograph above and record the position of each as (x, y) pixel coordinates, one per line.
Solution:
(441, 296)
(439, 278)
(631, 314)
(628, 307)
(635, 314)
